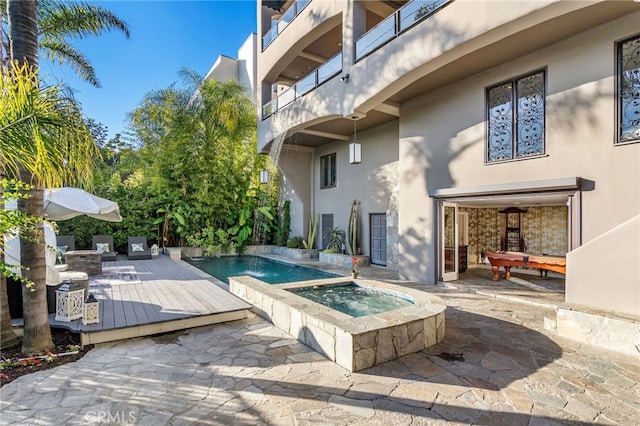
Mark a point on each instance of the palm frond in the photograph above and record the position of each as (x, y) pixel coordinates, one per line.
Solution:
(63, 52)
(42, 130)
(77, 19)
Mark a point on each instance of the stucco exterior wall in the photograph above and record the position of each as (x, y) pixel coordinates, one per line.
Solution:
(247, 65)
(295, 176)
(606, 273)
(224, 69)
(442, 141)
(370, 182)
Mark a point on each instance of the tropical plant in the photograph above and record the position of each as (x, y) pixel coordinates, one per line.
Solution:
(313, 228)
(282, 233)
(295, 242)
(47, 144)
(60, 23)
(243, 229)
(43, 140)
(49, 129)
(200, 152)
(22, 74)
(168, 214)
(352, 229)
(336, 239)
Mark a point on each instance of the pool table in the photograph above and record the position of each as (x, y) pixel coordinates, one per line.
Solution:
(507, 259)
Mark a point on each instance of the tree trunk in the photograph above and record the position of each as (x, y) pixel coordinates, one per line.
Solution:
(23, 31)
(23, 42)
(37, 331)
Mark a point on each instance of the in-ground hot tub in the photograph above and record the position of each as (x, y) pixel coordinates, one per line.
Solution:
(353, 343)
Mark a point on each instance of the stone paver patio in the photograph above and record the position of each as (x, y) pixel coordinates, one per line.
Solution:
(515, 372)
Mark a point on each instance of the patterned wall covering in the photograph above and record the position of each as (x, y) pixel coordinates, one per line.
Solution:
(544, 230)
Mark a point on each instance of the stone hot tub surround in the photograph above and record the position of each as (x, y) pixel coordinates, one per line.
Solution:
(353, 343)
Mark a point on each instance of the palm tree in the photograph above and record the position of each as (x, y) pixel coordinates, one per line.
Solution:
(23, 47)
(43, 141)
(60, 23)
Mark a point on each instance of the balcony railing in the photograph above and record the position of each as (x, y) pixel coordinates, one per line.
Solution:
(401, 20)
(283, 22)
(323, 73)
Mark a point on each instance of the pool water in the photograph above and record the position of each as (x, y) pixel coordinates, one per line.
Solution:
(352, 299)
(267, 270)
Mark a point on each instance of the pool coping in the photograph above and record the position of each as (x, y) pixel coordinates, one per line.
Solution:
(354, 343)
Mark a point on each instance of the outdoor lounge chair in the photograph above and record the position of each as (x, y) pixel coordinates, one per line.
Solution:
(104, 244)
(137, 248)
(65, 243)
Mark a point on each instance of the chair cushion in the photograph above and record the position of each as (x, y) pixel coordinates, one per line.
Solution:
(102, 247)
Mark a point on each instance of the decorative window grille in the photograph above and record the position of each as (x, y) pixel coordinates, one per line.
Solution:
(629, 90)
(328, 171)
(515, 118)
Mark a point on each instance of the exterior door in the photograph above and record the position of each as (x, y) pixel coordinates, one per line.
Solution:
(448, 241)
(378, 239)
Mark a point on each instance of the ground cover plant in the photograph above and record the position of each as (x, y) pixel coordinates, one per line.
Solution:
(67, 349)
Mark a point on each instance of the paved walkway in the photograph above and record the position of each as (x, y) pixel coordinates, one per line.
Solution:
(497, 365)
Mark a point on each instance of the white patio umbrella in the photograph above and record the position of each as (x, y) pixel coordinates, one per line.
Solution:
(66, 203)
(60, 204)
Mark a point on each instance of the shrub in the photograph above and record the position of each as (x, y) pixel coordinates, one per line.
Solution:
(295, 242)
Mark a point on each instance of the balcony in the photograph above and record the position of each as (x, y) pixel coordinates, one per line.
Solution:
(400, 21)
(306, 84)
(283, 22)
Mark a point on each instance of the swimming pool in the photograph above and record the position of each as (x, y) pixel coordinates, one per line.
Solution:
(267, 270)
(354, 343)
(353, 299)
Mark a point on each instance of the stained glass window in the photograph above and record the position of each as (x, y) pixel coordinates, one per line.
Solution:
(629, 90)
(515, 117)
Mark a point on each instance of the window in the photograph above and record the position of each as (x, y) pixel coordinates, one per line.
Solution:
(629, 90)
(515, 117)
(328, 171)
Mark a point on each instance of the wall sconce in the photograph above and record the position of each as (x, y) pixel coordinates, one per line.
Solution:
(344, 78)
(264, 176)
(355, 149)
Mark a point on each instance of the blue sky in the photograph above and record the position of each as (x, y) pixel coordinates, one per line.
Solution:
(165, 37)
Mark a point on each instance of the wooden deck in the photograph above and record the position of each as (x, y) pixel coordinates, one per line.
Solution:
(145, 297)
